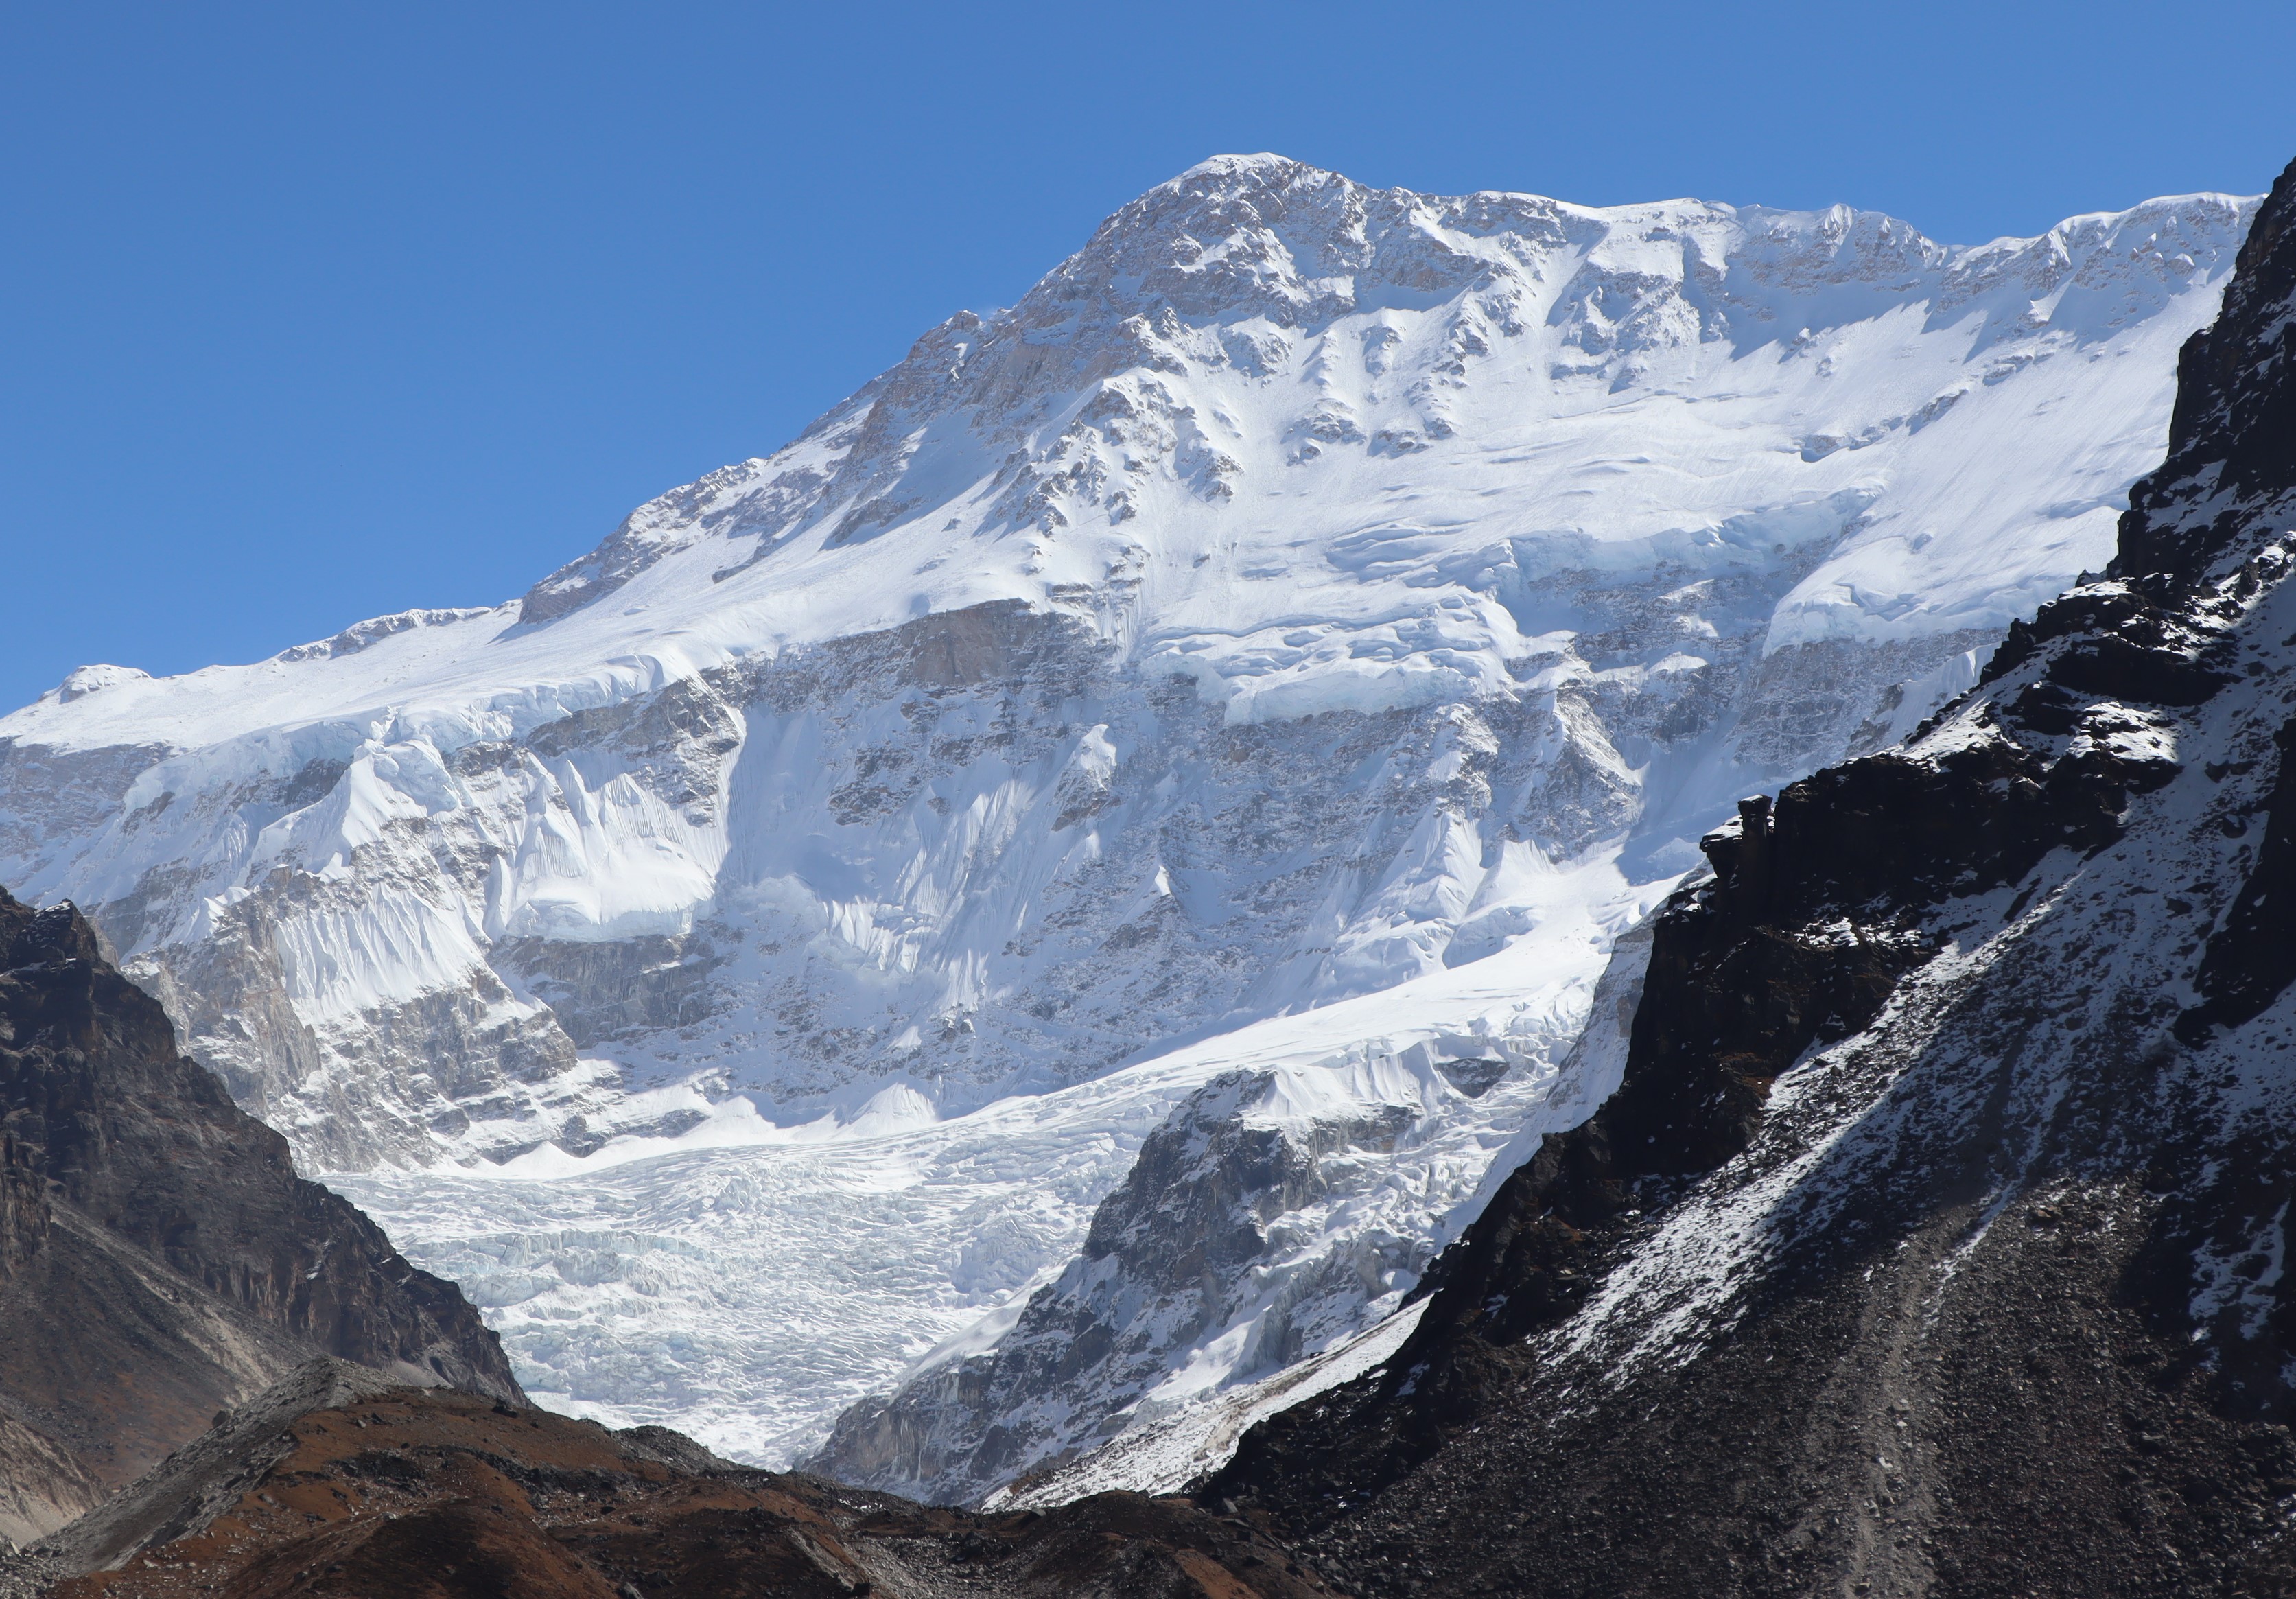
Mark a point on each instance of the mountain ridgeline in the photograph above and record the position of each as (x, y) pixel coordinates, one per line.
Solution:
(1297, 635)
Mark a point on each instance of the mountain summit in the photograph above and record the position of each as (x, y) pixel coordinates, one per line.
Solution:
(1295, 639)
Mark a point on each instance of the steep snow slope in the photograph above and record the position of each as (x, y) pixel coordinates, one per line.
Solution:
(1254, 1253)
(1305, 593)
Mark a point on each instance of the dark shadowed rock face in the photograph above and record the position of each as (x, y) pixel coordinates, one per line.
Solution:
(24, 1214)
(159, 1257)
(2250, 957)
(2227, 472)
(1933, 1242)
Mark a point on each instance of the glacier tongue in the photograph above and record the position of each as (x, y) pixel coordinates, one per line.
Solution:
(1297, 631)
(746, 1281)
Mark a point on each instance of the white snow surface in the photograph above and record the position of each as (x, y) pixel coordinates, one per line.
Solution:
(1303, 631)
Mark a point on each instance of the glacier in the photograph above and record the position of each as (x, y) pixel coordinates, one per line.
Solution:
(1253, 682)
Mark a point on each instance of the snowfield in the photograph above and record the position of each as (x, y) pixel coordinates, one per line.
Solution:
(1296, 639)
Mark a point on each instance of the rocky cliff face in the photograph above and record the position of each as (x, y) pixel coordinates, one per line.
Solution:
(24, 1214)
(159, 1257)
(1933, 1240)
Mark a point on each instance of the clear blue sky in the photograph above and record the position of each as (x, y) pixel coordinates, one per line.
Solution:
(317, 311)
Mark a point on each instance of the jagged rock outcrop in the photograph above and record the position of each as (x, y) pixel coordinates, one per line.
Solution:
(1933, 1241)
(159, 1256)
(1210, 1233)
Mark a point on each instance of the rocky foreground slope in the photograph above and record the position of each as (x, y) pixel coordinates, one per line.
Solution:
(159, 1257)
(1935, 1239)
(338, 1486)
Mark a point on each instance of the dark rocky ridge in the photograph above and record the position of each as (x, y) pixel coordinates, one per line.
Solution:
(159, 1257)
(1932, 1243)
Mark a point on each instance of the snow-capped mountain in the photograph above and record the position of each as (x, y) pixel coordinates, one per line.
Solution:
(1296, 638)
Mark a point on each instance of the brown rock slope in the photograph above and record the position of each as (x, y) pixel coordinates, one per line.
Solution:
(430, 1494)
(160, 1260)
